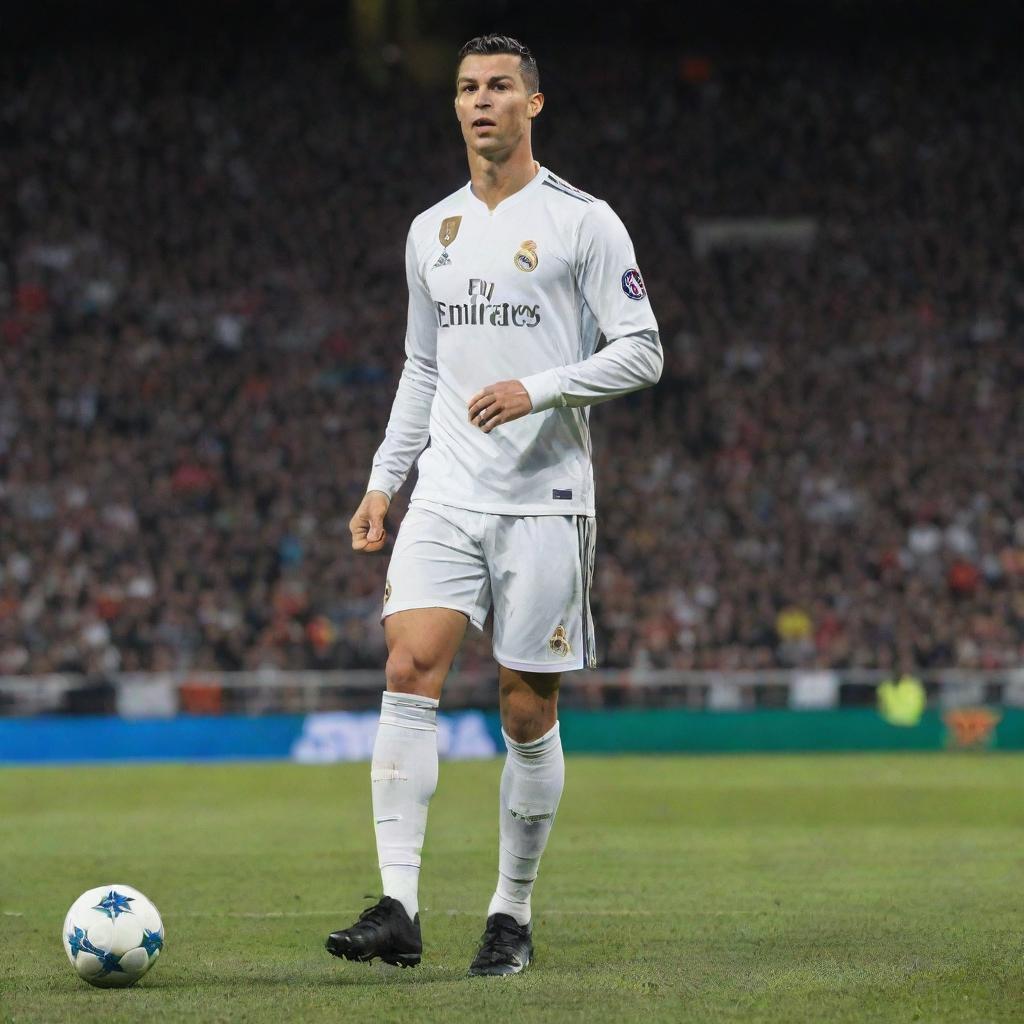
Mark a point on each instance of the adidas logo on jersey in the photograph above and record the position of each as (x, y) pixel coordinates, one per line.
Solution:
(442, 261)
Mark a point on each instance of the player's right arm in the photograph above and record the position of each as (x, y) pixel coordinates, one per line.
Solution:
(409, 426)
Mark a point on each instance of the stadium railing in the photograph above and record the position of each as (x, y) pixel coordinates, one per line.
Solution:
(141, 695)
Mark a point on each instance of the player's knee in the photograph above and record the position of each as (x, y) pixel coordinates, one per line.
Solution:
(529, 703)
(523, 728)
(404, 674)
(527, 720)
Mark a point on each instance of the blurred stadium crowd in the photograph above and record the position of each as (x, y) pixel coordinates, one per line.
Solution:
(202, 305)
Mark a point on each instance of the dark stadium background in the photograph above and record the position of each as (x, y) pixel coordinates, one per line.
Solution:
(810, 542)
(202, 213)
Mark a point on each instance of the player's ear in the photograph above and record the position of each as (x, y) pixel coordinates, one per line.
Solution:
(535, 104)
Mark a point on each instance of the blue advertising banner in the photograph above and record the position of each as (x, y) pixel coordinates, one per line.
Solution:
(349, 736)
(311, 739)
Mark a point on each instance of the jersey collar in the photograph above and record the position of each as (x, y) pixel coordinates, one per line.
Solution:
(528, 189)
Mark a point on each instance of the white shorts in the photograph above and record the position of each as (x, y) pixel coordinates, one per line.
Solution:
(536, 570)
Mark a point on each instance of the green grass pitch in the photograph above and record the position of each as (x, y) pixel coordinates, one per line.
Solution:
(755, 889)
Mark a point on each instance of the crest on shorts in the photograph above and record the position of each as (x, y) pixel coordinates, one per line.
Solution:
(559, 642)
(449, 229)
(387, 591)
(526, 258)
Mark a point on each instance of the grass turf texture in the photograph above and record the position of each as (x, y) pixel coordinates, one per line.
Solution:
(836, 888)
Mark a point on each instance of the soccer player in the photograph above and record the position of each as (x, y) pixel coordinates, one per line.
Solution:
(525, 307)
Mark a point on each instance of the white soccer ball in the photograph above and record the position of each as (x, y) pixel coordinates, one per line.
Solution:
(112, 935)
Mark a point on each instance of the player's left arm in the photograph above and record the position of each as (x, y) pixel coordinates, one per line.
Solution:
(615, 293)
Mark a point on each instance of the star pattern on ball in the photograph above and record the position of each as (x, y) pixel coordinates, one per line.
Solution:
(75, 940)
(152, 942)
(78, 940)
(111, 962)
(114, 904)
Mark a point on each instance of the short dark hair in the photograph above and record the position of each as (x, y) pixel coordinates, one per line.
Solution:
(485, 46)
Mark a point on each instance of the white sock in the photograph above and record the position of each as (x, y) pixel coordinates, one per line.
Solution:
(403, 778)
(531, 786)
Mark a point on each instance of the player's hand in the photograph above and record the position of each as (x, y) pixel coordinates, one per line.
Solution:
(367, 525)
(499, 403)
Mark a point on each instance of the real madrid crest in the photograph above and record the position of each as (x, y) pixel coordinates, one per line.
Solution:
(387, 591)
(559, 642)
(449, 229)
(526, 257)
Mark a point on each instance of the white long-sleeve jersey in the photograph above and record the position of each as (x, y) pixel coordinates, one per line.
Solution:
(522, 292)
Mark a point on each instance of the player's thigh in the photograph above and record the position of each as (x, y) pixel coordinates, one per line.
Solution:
(438, 562)
(422, 644)
(541, 568)
(437, 582)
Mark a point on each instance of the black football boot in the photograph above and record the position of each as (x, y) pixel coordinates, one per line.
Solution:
(505, 947)
(383, 930)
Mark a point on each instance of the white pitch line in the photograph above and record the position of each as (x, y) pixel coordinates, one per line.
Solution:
(271, 914)
(455, 913)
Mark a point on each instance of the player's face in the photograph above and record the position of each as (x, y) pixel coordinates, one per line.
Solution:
(493, 104)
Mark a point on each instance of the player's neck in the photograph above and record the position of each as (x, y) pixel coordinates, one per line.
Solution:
(493, 181)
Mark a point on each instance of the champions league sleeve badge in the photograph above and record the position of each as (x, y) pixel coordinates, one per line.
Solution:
(633, 284)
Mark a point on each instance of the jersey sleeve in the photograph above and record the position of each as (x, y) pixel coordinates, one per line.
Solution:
(409, 425)
(614, 292)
